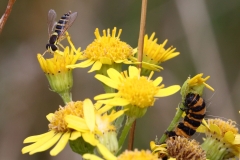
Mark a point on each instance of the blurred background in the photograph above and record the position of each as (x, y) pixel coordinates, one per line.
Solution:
(206, 33)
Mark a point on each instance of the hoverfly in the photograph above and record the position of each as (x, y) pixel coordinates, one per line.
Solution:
(60, 28)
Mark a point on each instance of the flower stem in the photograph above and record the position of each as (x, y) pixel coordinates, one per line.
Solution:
(131, 137)
(5, 16)
(66, 96)
(125, 131)
(140, 53)
(142, 31)
(174, 122)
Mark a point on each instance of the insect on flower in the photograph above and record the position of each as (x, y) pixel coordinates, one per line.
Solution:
(195, 112)
(61, 27)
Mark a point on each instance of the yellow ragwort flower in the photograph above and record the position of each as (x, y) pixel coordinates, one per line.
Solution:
(159, 150)
(198, 80)
(185, 149)
(195, 84)
(222, 139)
(127, 155)
(135, 92)
(59, 77)
(105, 50)
(154, 53)
(105, 131)
(60, 133)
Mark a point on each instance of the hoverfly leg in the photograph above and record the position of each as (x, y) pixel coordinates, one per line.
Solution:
(61, 45)
(44, 52)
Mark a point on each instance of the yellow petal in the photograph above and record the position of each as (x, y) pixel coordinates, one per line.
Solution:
(105, 96)
(114, 116)
(91, 157)
(47, 145)
(76, 123)
(119, 61)
(209, 87)
(204, 122)
(89, 114)
(61, 144)
(35, 138)
(237, 139)
(75, 135)
(172, 55)
(133, 71)
(83, 64)
(229, 136)
(202, 129)
(96, 66)
(90, 138)
(105, 60)
(152, 145)
(215, 128)
(104, 109)
(50, 116)
(105, 152)
(168, 91)
(97, 105)
(109, 82)
(114, 75)
(59, 52)
(116, 102)
(157, 81)
(70, 41)
(41, 141)
(151, 66)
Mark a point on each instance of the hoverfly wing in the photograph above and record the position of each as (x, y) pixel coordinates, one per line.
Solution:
(72, 17)
(51, 21)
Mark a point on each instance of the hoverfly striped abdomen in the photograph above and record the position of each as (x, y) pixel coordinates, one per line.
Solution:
(195, 112)
(62, 22)
(60, 28)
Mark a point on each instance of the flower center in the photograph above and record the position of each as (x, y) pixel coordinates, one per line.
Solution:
(108, 46)
(129, 155)
(225, 126)
(183, 148)
(139, 91)
(58, 123)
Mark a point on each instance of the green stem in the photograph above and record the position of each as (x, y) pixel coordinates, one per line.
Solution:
(119, 121)
(66, 96)
(174, 122)
(125, 131)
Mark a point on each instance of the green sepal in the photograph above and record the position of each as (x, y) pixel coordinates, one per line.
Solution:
(80, 146)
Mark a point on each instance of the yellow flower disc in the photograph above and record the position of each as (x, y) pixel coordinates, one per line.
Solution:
(108, 47)
(57, 123)
(138, 155)
(139, 91)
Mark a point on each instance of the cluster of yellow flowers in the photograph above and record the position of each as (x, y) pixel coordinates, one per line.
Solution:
(89, 126)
